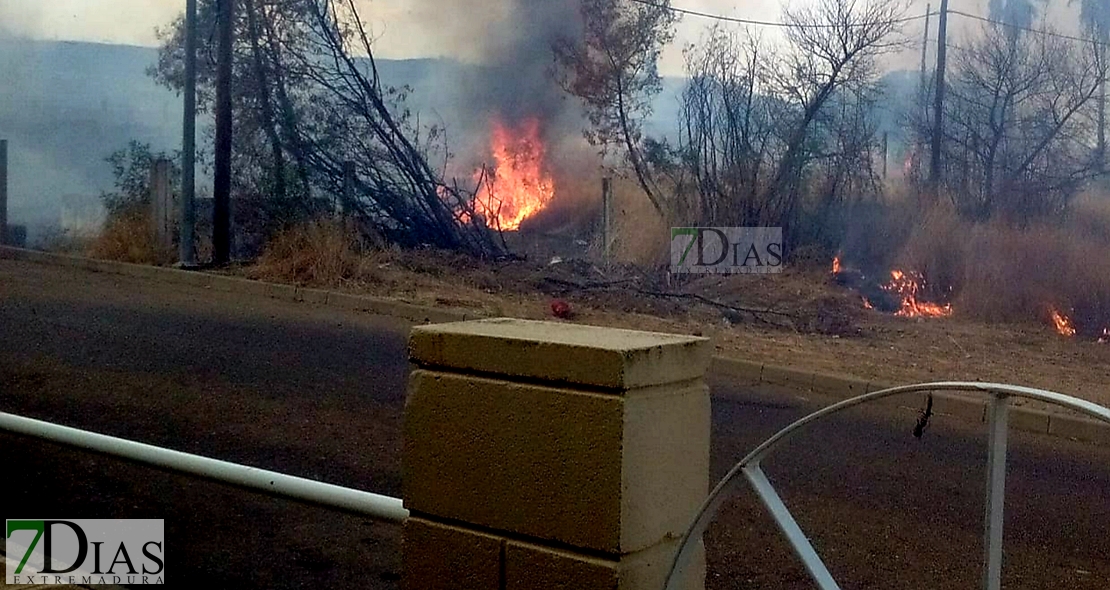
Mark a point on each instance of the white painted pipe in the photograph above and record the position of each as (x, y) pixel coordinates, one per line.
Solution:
(373, 505)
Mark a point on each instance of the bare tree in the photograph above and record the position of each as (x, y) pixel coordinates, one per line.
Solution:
(1094, 15)
(612, 66)
(267, 97)
(772, 135)
(834, 45)
(1020, 122)
(359, 119)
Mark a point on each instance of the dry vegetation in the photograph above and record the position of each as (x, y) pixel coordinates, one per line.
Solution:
(322, 252)
(129, 238)
(999, 332)
(997, 272)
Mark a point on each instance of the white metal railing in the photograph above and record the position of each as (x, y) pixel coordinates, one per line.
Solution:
(749, 467)
(278, 484)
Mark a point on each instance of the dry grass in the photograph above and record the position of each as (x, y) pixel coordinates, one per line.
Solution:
(129, 238)
(640, 235)
(1001, 273)
(1020, 275)
(322, 252)
(938, 248)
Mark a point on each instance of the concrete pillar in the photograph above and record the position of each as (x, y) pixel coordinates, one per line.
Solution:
(551, 456)
(163, 208)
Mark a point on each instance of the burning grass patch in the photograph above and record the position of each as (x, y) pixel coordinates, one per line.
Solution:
(1054, 275)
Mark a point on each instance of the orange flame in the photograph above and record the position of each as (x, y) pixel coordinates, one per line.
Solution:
(908, 286)
(836, 266)
(517, 185)
(1063, 323)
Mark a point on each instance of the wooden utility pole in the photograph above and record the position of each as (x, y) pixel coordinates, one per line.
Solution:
(607, 218)
(938, 106)
(3, 192)
(925, 52)
(886, 152)
(1101, 164)
(347, 199)
(187, 244)
(221, 182)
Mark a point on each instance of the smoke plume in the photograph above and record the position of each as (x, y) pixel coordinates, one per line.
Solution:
(510, 44)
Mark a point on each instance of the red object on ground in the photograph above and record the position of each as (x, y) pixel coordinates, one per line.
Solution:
(561, 309)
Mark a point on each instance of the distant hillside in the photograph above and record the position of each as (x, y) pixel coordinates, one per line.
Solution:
(65, 106)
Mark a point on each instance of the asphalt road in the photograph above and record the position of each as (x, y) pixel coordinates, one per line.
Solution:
(319, 392)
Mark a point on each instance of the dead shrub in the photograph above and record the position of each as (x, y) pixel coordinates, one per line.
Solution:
(1089, 216)
(128, 237)
(640, 235)
(937, 248)
(874, 233)
(320, 252)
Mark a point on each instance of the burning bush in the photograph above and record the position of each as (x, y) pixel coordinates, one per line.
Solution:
(937, 248)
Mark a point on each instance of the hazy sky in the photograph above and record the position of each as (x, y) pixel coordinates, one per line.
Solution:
(406, 28)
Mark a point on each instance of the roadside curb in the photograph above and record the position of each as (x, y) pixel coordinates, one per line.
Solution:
(239, 285)
(972, 410)
(748, 372)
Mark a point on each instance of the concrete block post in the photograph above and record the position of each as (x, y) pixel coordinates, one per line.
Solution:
(163, 208)
(541, 455)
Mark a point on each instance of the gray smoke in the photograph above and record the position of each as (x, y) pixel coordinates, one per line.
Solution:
(1019, 13)
(1095, 16)
(510, 44)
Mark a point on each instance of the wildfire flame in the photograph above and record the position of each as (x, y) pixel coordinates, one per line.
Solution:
(517, 185)
(908, 286)
(1105, 338)
(1064, 325)
(836, 266)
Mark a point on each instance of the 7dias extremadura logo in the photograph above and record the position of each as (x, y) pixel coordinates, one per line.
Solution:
(58, 552)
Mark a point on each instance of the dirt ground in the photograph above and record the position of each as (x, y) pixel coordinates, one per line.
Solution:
(799, 318)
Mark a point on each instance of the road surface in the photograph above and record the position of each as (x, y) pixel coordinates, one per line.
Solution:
(318, 393)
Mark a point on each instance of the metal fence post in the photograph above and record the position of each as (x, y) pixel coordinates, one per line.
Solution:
(997, 413)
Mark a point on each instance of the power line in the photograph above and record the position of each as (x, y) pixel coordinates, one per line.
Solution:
(1026, 29)
(754, 22)
(762, 23)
